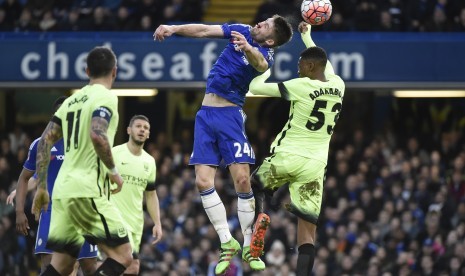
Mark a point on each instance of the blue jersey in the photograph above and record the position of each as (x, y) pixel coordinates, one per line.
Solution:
(56, 159)
(231, 74)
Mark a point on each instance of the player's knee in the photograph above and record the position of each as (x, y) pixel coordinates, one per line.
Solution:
(203, 183)
(88, 266)
(242, 183)
(133, 269)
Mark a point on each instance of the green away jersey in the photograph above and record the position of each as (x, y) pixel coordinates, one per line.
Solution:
(138, 173)
(315, 108)
(82, 173)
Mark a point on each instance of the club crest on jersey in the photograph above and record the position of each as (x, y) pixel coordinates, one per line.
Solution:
(146, 167)
(122, 231)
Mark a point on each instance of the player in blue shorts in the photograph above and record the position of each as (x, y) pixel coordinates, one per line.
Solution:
(88, 254)
(219, 132)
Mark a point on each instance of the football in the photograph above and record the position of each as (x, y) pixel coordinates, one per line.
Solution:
(316, 12)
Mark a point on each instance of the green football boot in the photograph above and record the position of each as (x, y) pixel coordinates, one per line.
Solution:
(228, 250)
(254, 263)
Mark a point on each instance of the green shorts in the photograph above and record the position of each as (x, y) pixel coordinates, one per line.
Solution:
(74, 220)
(305, 177)
(135, 240)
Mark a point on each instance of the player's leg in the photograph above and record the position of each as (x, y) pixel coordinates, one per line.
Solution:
(133, 268)
(206, 157)
(306, 235)
(40, 249)
(62, 240)
(118, 259)
(107, 231)
(265, 179)
(88, 258)
(216, 213)
(306, 196)
(238, 155)
(61, 264)
(45, 260)
(245, 199)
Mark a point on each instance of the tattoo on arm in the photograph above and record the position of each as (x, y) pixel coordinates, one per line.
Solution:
(99, 138)
(50, 136)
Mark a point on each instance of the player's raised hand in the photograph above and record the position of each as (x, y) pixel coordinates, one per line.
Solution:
(157, 233)
(116, 178)
(40, 202)
(239, 40)
(11, 198)
(163, 31)
(304, 27)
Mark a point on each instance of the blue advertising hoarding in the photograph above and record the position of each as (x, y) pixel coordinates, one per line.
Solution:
(362, 59)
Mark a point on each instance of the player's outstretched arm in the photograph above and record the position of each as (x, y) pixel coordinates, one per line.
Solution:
(259, 87)
(153, 207)
(188, 30)
(305, 30)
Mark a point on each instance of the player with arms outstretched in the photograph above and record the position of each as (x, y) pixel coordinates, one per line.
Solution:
(219, 132)
(81, 211)
(299, 153)
(88, 254)
(138, 170)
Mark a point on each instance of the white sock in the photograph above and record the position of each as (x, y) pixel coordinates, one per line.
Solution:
(216, 212)
(246, 214)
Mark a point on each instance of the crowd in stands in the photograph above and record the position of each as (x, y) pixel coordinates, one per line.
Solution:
(145, 15)
(392, 206)
(380, 15)
(95, 15)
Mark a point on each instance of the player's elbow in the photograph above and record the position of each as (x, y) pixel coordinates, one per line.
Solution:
(262, 67)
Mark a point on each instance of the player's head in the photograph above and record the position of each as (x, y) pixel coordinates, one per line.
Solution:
(101, 63)
(273, 32)
(58, 103)
(139, 129)
(312, 62)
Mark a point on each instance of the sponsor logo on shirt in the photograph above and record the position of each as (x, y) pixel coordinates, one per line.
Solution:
(57, 157)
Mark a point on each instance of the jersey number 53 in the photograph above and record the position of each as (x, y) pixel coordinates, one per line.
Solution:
(320, 116)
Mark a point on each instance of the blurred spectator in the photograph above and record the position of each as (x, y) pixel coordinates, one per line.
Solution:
(25, 22)
(337, 23)
(125, 21)
(348, 15)
(366, 16)
(48, 22)
(72, 23)
(13, 10)
(439, 22)
(459, 25)
(101, 21)
(38, 8)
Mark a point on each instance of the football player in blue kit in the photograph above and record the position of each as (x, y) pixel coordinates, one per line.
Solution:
(219, 132)
(88, 254)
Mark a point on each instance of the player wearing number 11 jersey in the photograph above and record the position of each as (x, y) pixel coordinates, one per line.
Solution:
(81, 210)
(300, 152)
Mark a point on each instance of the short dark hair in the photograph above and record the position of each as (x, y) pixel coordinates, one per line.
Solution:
(138, 117)
(317, 54)
(282, 30)
(58, 103)
(100, 62)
